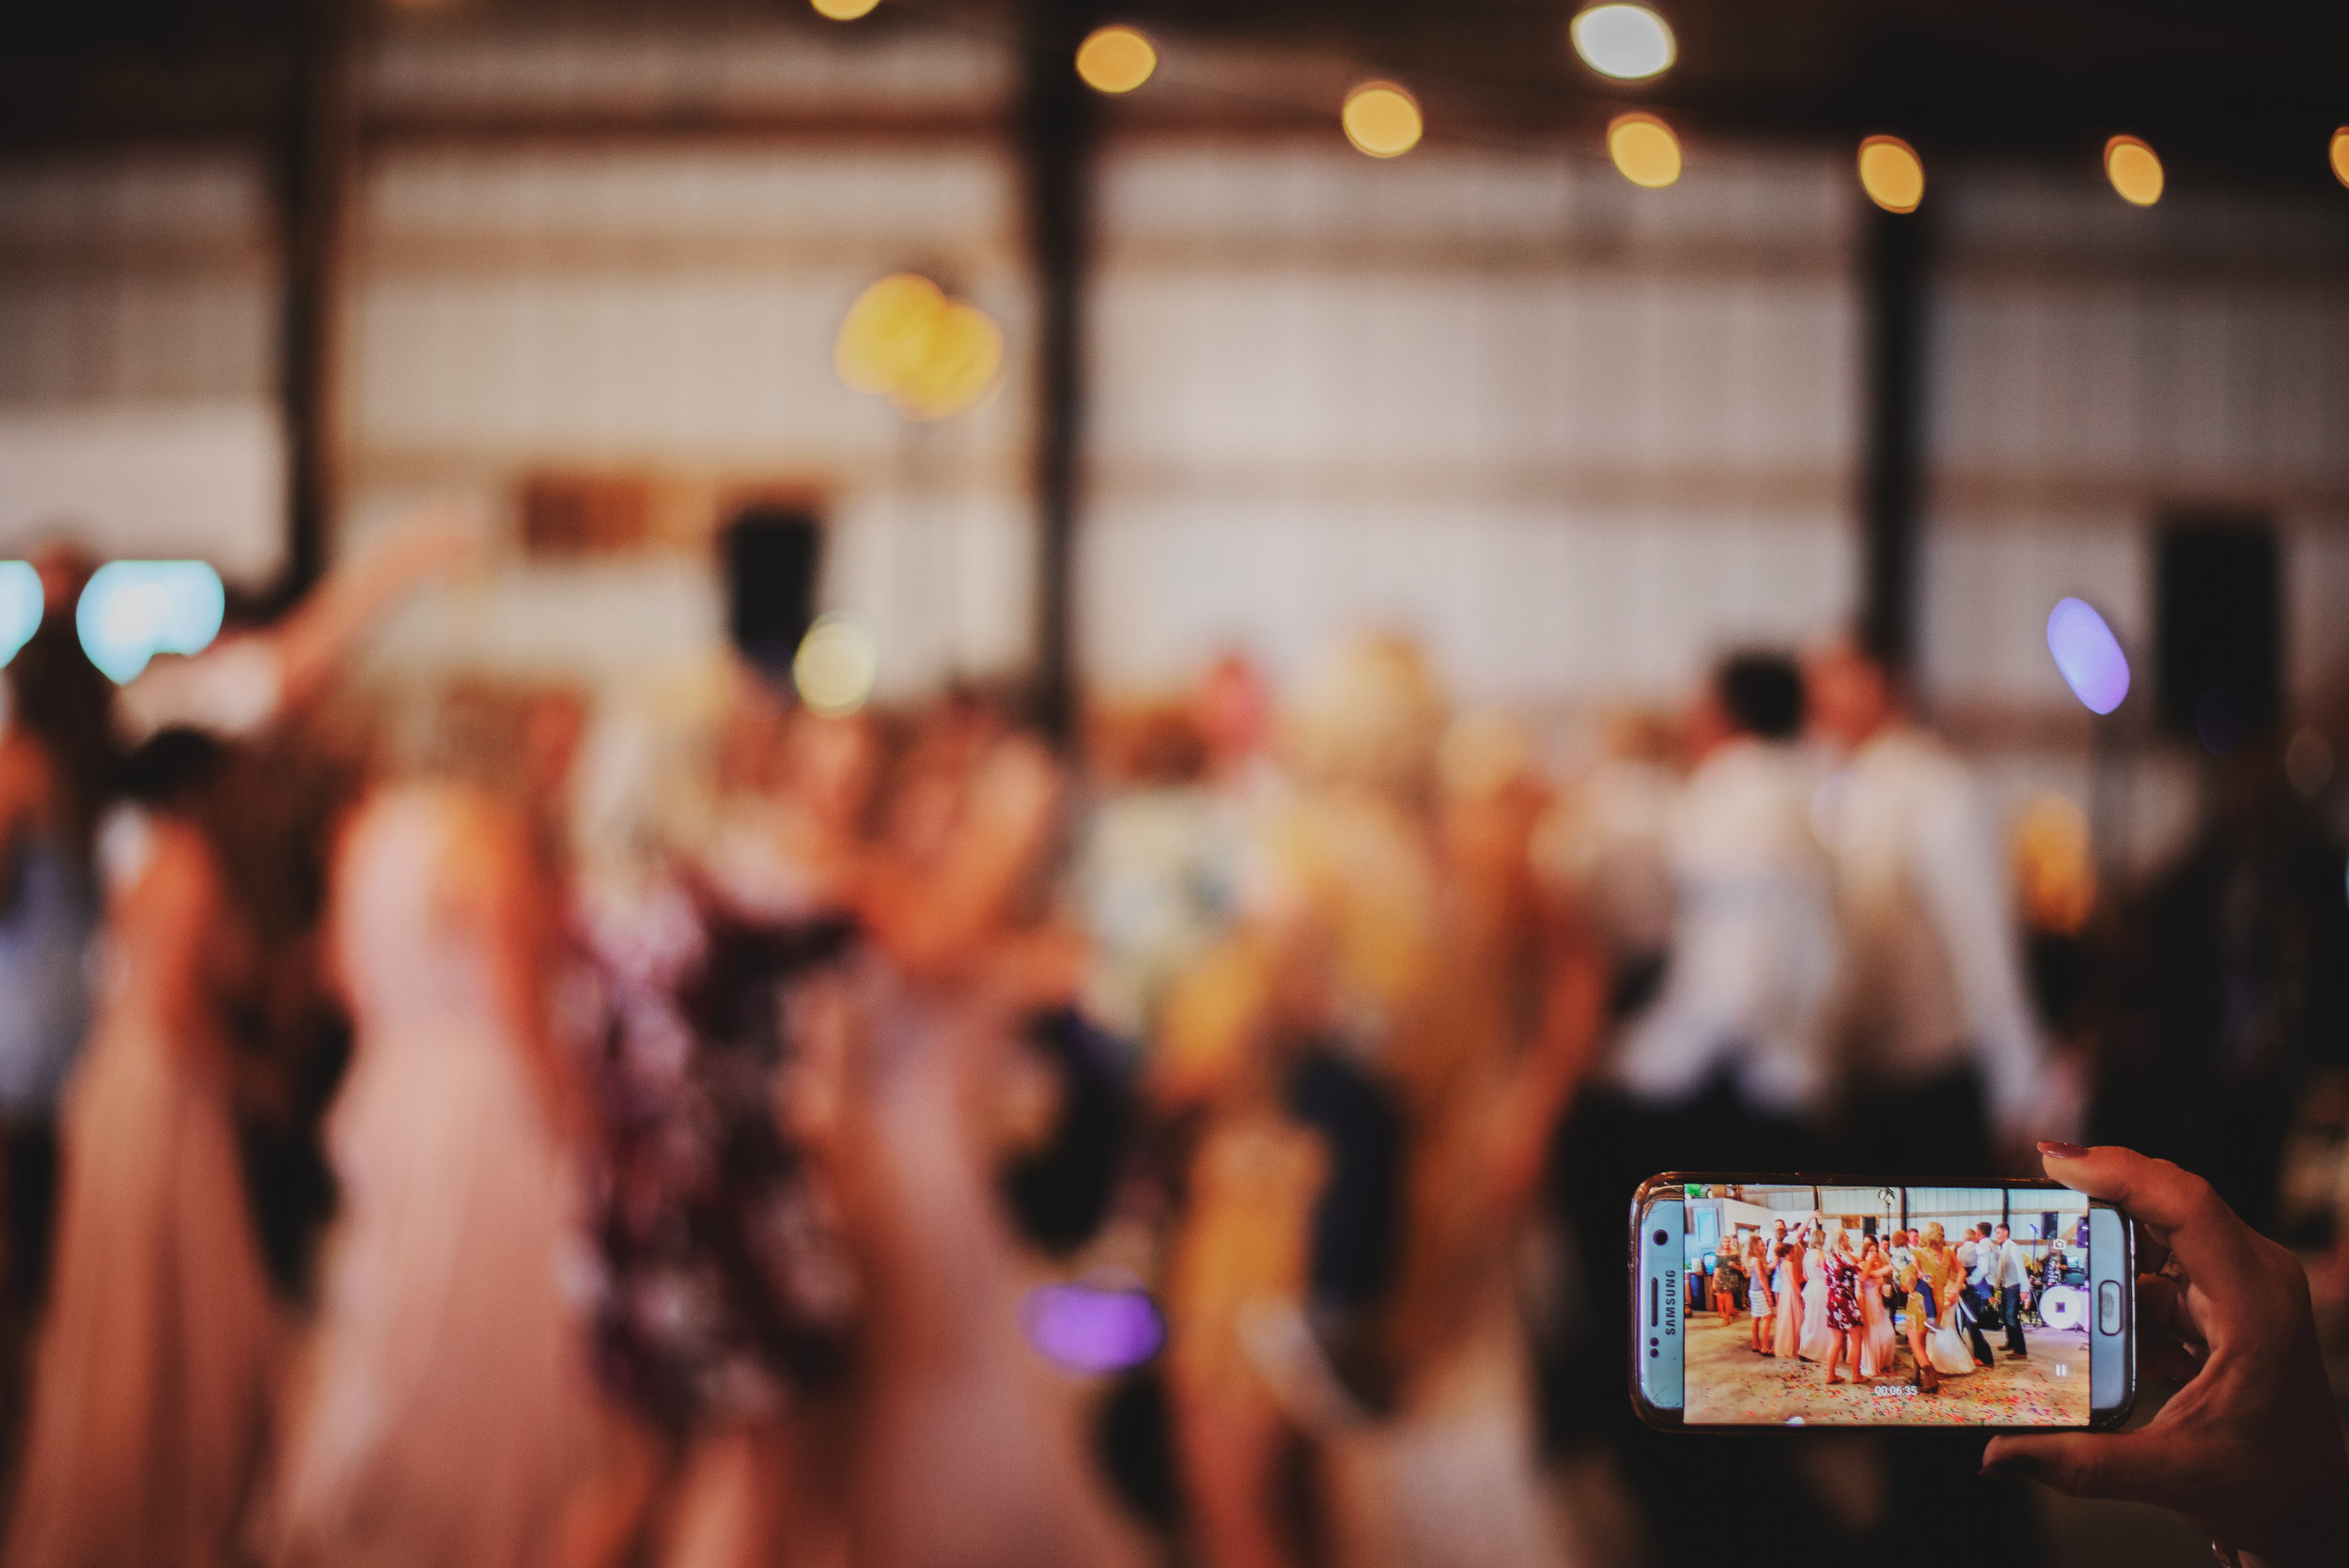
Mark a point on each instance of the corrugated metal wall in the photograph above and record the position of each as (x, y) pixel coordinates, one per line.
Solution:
(138, 358)
(1576, 437)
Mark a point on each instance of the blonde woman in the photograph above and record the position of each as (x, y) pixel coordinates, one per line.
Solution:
(1758, 1292)
(1817, 1342)
(1877, 1345)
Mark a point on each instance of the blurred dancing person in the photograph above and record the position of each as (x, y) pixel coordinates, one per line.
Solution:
(1950, 1077)
(152, 1372)
(57, 765)
(441, 1417)
(1948, 1064)
(1729, 1067)
(725, 1293)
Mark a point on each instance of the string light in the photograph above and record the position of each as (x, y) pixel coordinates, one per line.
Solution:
(1891, 173)
(1629, 43)
(1115, 59)
(1382, 119)
(844, 11)
(1644, 149)
(2340, 151)
(2134, 170)
(905, 340)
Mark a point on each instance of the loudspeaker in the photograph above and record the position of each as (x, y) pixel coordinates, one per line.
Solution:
(772, 555)
(2218, 634)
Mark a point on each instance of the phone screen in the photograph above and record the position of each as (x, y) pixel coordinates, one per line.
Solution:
(1911, 1306)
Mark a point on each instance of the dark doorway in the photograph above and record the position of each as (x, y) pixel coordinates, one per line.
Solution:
(2218, 634)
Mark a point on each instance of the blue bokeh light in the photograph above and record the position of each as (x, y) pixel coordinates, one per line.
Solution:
(2088, 655)
(20, 606)
(133, 609)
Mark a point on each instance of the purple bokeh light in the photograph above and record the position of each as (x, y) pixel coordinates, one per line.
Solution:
(1093, 1327)
(2088, 655)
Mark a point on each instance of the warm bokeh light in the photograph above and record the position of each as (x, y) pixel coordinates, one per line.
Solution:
(2133, 169)
(20, 606)
(2340, 151)
(1891, 173)
(957, 366)
(1382, 119)
(886, 331)
(930, 355)
(131, 611)
(2088, 655)
(844, 11)
(2055, 865)
(838, 663)
(1115, 59)
(1644, 149)
(1628, 42)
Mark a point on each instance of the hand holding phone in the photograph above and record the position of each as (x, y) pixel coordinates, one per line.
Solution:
(2249, 1448)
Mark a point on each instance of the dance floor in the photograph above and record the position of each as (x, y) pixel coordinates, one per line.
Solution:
(1727, 1382)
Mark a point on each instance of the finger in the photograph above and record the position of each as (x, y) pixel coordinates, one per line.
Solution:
(2149, 1465)
(2153, 1250)
(2202, 1233)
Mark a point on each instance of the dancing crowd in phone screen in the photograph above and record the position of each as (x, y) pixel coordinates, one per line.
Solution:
(1856, 1306)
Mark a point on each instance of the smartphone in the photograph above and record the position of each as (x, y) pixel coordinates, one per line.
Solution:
(1860, 1251)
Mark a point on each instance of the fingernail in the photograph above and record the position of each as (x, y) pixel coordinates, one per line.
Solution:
(2062, 1151)
(2010, 1467)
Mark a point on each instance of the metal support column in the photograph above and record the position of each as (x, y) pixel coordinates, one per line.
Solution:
(1894, 279)
(315, 151)
(1057, 130)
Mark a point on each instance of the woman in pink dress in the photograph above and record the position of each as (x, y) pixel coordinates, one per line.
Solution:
(151, 1375)
(446, 1411)
(1788, 1284)
(1877, 1344)
(1817, 1340)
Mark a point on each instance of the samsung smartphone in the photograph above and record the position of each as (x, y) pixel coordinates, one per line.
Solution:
(1696, 1366)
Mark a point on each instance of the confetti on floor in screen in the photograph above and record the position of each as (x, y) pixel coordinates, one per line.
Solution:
(1727, 1383)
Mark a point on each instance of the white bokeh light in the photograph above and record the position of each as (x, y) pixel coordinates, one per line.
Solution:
(1629, 43)
(836, 665)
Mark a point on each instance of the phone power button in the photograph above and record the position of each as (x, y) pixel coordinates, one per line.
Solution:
(2109, 1306)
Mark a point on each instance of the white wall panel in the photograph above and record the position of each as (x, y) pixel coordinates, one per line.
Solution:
(175, 480)
(138, 334)
(1576, 437)
(673, 309)
(2096, 367)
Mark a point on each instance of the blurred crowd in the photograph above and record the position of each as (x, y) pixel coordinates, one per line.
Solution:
(511, 1129)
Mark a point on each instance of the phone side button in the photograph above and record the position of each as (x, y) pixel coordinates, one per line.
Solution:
(2109, 1306)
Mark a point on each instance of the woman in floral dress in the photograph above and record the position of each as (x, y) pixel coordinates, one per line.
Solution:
(1844, 1323)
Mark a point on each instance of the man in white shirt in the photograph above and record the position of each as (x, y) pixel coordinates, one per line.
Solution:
(2009, 1270)
(1941, 1047)
(1973, 1256)
(1743, 1015)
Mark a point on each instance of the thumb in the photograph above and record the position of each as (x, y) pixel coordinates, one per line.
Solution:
(2145, 1466)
